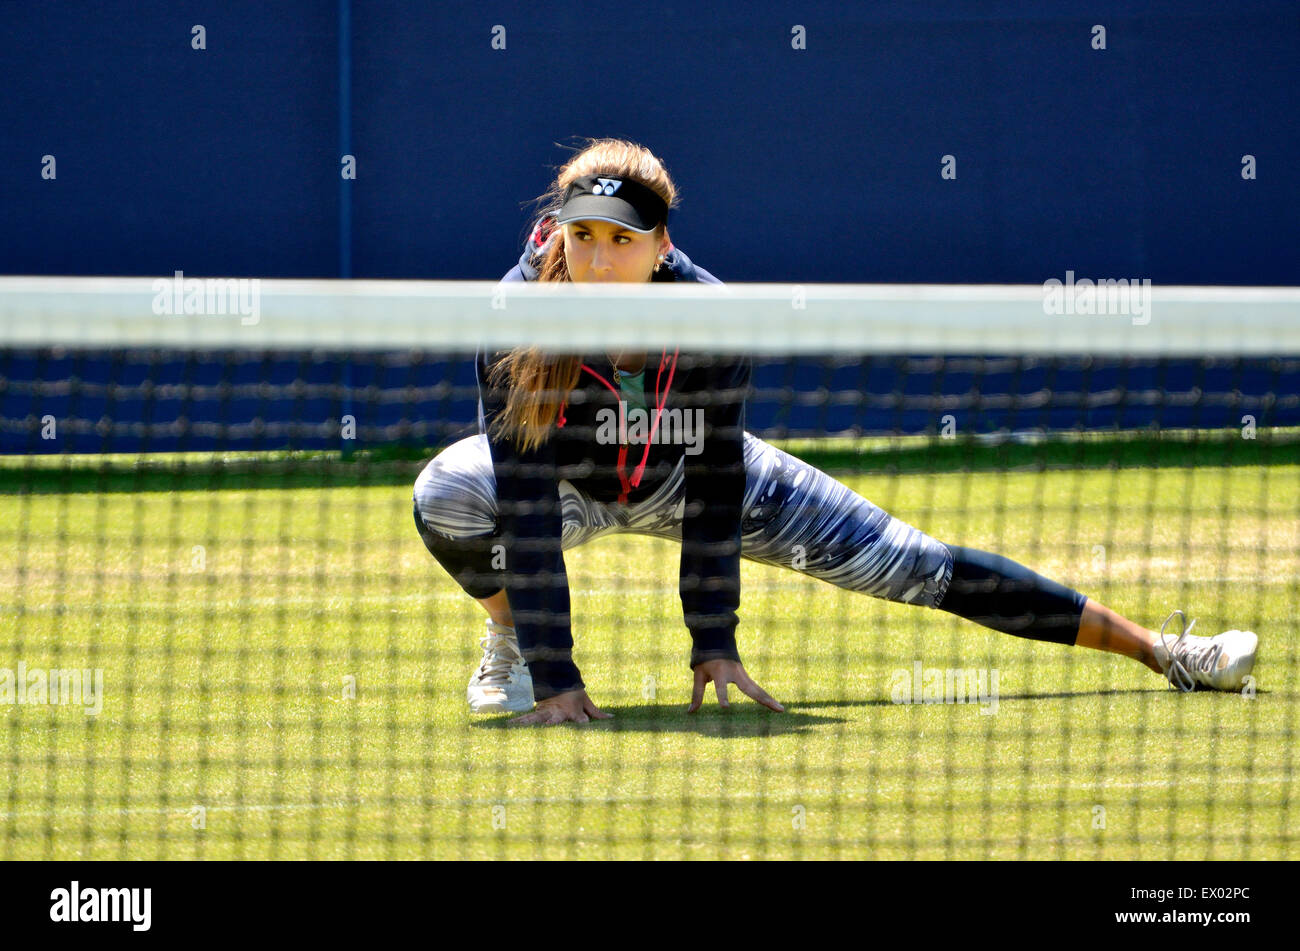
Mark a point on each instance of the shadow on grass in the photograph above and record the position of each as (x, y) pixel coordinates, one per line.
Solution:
(1004, 697)
(747, 719)
(743, 719)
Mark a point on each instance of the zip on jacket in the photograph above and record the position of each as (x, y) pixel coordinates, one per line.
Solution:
(626, 483)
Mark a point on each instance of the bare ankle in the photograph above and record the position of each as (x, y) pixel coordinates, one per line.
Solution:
(498, 609)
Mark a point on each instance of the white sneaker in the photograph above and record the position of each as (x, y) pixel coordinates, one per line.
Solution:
(1221, 662)
(502, 683)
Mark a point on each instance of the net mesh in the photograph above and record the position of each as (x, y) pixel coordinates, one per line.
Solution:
(225, 637)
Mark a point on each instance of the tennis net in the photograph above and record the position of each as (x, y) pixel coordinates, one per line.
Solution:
(225, 636)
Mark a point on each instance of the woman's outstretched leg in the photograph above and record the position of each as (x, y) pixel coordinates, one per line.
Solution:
(1006, 596)
(799, 517)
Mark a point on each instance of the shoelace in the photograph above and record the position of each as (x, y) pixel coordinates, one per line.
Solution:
(499, 658)
(1186, 657)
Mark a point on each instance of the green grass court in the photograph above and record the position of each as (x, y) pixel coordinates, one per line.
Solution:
(225, 672)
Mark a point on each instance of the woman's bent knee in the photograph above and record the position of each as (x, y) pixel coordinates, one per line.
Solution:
(455, 494)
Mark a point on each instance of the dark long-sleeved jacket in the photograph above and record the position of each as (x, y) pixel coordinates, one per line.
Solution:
(710, 390)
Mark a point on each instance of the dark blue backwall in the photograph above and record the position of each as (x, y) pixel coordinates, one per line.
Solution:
(814, 164)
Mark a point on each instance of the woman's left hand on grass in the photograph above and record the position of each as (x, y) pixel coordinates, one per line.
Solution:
(721, 673)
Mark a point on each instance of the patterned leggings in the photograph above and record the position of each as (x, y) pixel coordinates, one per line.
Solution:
(794, 516)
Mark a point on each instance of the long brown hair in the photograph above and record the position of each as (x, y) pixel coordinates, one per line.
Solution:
(538, 383)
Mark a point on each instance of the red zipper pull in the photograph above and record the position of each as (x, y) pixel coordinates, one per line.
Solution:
(622, 474)
(659, 409)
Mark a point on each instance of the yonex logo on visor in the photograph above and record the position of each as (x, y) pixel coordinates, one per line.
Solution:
(624, 201)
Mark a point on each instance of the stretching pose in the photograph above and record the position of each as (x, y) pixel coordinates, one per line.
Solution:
(574, 447)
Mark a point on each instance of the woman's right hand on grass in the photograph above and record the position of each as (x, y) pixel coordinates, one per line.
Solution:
(571, 707)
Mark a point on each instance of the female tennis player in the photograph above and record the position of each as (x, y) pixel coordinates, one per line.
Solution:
(573, 447)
